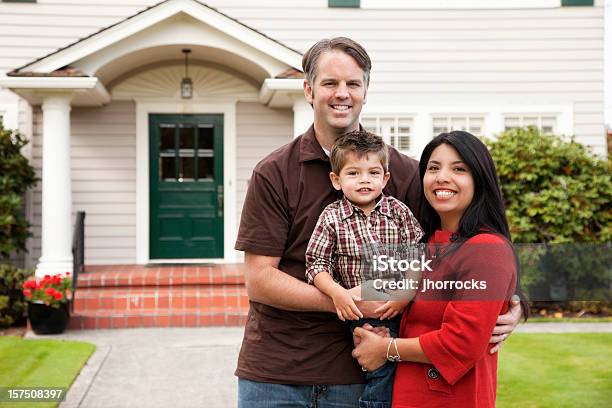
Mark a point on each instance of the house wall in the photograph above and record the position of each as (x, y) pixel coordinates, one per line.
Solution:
(103, 150)
(549, 56)
(103, 165)
(259, 131)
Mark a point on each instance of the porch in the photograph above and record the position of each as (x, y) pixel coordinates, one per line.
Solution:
(128, 296)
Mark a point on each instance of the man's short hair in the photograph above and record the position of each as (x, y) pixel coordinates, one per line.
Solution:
(360, 143)
(346, 45)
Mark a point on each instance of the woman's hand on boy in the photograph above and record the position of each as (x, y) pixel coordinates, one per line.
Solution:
(391, 309)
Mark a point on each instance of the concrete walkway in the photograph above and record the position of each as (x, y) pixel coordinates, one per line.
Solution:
(181, 367)
(169, 367)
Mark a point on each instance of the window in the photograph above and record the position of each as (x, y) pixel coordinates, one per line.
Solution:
(470, 4)
(576, 2)
(547, 124)
(343, 3)
(469, 123)
(395, 130)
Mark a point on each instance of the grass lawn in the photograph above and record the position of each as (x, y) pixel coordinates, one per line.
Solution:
(37, 363)
(538, 319)
(556, 370)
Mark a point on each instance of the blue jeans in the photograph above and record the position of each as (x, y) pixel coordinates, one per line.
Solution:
(253, 394)
(378, 391)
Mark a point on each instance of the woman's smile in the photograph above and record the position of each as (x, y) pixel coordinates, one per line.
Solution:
(448, 185)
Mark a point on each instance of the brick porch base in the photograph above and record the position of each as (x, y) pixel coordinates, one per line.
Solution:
(121, 296)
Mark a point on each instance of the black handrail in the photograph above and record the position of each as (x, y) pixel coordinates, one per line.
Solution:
(78, 252)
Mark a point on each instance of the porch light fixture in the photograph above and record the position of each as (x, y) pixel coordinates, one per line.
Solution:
(186, 84)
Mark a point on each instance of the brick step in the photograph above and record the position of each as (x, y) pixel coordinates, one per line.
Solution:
(138, 275)
(152, 298)
(112, 319)
(122, 296)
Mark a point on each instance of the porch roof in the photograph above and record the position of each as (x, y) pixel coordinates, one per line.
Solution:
(114, 50)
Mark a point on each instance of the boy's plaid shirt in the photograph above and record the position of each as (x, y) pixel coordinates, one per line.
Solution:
(344, 238)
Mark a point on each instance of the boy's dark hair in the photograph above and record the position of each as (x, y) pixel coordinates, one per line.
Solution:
(346, 45)
(361, 143)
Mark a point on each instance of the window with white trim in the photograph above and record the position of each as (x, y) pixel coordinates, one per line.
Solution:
(470, 4)
(470, 123)
(395, 130)
(546, 124)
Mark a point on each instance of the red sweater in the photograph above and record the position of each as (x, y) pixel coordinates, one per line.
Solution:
(455, 334)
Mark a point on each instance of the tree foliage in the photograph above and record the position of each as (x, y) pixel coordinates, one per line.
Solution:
(555, 190)
(16, 176)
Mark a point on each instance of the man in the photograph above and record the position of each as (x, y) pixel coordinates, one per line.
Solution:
(295, 351)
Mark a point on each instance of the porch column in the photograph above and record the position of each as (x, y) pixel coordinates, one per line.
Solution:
(302, 115)
(56, 242)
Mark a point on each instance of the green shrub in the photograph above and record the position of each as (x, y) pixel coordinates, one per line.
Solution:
(556, 192)
(16, 176)
(12, 304)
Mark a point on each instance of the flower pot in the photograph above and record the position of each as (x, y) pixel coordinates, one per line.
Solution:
(46, 319)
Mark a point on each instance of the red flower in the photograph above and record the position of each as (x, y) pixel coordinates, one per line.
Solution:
(50, 291)
(27, 293)
(58, 296)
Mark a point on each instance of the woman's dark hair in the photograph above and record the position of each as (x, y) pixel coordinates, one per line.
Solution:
(487, 210)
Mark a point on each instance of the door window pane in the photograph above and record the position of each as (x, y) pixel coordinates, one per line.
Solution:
(205, 137)
(167, 168)
(206, 168)
(186, 138)
(187, 172)
(166, 137)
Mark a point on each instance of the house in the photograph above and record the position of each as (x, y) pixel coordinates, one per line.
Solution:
(97, 88)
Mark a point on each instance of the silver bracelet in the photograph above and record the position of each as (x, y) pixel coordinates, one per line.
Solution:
(396, 357)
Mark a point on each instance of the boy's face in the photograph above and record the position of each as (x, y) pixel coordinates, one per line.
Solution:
(338, 92)
(361, 179)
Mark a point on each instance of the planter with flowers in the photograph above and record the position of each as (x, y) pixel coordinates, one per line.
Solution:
(48, 303)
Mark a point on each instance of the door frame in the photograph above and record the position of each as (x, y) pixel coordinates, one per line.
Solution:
(225, 107)
(159, 188)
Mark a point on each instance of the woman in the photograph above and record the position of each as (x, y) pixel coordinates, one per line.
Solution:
(443, 344)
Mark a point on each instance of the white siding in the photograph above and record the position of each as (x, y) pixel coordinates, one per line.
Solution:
(447, 57)
(103, 143)
(259, 131)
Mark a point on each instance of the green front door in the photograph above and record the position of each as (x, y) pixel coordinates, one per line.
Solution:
(186, 186)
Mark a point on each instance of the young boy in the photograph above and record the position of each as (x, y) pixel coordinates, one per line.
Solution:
(337, 259)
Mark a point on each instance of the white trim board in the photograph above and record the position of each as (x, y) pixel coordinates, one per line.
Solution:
(459, 4)
(227, 108)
